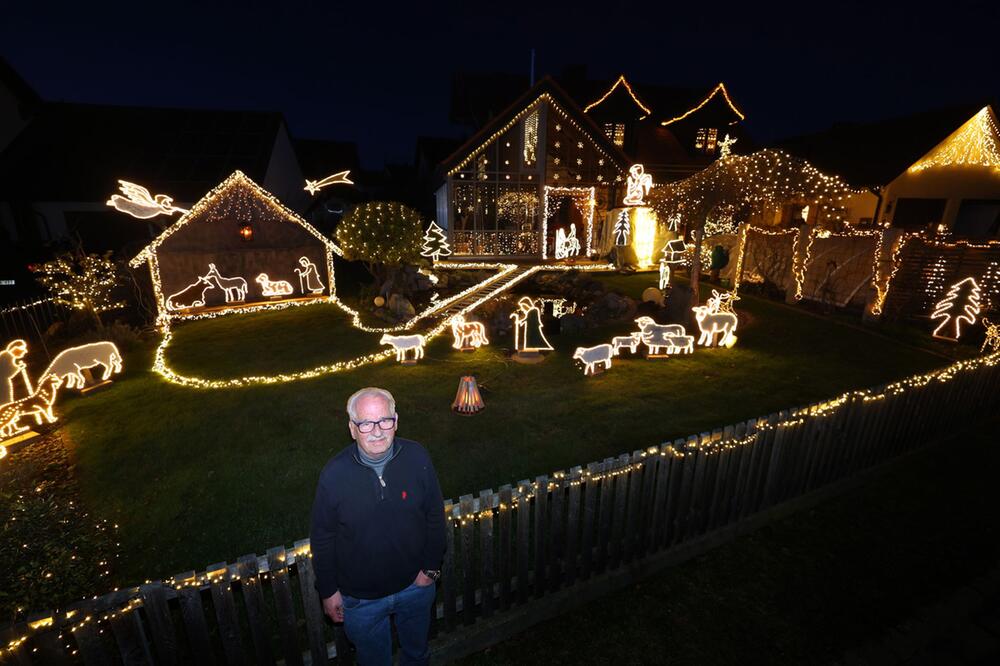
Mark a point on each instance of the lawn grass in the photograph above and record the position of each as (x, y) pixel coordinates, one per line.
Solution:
(808, 588)
(196, 476)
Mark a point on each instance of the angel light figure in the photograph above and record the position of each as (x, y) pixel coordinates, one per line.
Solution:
(138, 202)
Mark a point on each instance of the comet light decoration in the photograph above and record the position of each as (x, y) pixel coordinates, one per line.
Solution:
(339, 178)
(139, 203)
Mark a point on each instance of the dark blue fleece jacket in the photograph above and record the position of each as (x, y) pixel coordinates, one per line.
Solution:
(371, 536)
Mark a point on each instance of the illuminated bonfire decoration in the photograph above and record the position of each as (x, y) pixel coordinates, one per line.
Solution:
(960, 304)
(467, 399)
(138, 202)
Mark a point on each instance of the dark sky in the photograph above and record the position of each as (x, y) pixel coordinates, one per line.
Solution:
(379, 74)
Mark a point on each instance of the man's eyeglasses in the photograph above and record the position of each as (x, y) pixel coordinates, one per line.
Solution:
(388, 423)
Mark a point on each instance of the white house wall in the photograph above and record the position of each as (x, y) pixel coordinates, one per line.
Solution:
(951, 183)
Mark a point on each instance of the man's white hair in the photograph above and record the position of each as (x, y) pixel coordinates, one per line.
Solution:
(366, 392)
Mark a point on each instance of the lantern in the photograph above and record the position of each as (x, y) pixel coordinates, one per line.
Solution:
(246, 232)
(467, 400)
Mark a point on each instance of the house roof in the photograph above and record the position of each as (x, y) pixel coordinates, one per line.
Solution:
(76, 152)
(237, 179)
(975, 143)
(873, 154)
(547, 89)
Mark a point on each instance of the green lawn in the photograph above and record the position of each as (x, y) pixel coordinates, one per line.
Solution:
(196, 476)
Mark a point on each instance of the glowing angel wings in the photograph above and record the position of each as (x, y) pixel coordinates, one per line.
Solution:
(339, 178)
(138, 202)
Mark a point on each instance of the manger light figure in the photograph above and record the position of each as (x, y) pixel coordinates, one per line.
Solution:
(637, 186)
(591, 356)
(567, 245)
(468, 400)
(435, 243)
(308, 277)
(270, 287)
(139, 203)
(468, 335)
(663, 338)
(960, 304)
(403, 343)
(528, 335)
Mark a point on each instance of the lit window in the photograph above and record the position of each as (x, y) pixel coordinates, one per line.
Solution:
(615, 132)
(706, 139)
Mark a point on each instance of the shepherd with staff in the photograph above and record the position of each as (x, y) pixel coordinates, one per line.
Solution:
(12, 366)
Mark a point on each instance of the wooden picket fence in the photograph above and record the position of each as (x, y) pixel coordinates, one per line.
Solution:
(526, 551)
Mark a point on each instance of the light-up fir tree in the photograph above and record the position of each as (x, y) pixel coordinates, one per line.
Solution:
(960, 304)
(81, 281)
(435, 243)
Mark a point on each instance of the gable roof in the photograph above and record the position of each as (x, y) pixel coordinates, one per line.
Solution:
(719, 89)
(237, 179)
(975, 143)
(624, 85)
(76, 152)
(548, 90)
(872, 154)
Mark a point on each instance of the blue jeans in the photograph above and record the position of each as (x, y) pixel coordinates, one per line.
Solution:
(366, 622)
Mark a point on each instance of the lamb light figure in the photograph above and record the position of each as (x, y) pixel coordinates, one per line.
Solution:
(591, 356)
(403, 343)
(270, 287)
(671, 338)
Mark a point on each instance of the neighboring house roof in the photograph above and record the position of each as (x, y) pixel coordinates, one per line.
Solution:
(26, 96)
(625, 97)
(77, 152)
(873, 154)
(975, 143)
(236, 180)
(546, 89)
(718, 91)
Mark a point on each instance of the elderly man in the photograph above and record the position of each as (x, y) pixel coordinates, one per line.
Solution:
(378, 534)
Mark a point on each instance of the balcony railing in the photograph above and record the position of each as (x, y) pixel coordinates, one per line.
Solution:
(496, 243)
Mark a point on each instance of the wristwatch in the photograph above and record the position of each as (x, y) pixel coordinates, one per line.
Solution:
(433, 574)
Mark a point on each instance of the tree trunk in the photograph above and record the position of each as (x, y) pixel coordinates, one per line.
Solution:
(696, 261)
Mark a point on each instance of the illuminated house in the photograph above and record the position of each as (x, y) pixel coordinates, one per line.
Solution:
(215, 254)
(954, 186)
(556, 160)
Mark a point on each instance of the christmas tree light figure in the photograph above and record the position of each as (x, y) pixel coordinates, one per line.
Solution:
(435, 243)
(961, 304)
(622, 228)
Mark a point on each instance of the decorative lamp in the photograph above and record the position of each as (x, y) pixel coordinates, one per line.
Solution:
(246, 232)
(467, 400)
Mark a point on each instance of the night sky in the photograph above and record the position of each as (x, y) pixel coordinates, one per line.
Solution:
(381, 76)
